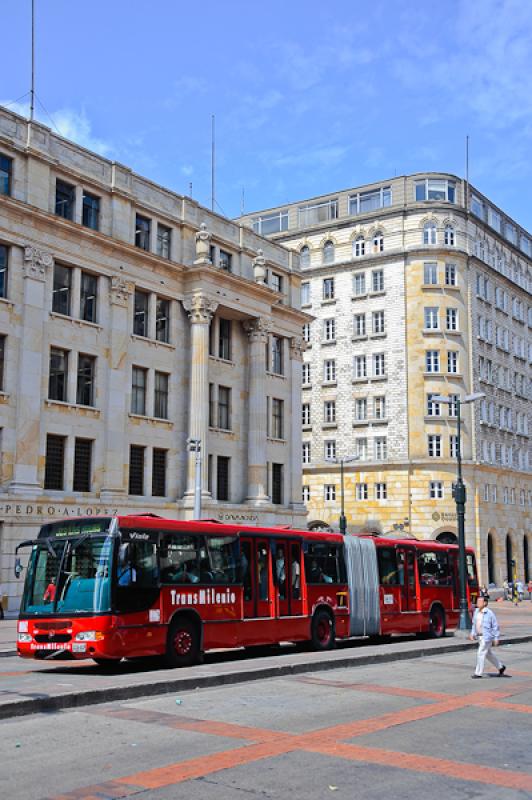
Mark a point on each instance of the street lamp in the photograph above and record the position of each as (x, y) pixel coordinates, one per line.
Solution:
(459, 494)
(194, 446)
(342, 461)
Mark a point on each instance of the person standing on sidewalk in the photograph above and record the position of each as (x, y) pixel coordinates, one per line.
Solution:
(485, 629)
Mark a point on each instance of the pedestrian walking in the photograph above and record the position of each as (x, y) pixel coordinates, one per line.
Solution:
(505, 589)
(520, 590)
(485, 630)
(530, 590)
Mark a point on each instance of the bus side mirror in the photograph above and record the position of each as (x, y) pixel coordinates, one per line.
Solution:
(18, 568)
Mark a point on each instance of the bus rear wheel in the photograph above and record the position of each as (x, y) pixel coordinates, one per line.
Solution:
(183, 647)
(437, 622)
(322, 631)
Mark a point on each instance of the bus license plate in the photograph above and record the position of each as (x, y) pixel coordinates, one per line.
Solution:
(79, 647)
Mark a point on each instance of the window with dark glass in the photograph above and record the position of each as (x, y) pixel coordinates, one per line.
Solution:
(158, 475)
(65, 198)
(277, 484)
(54, 466)
(276, 282)
(225, 261)
(140, 314)
(277, 355)
(387, 559)
(277, 418)
(136, 469)
(82, 465)
(434, 569)
(138, 391)
(90, 214)
(6, 172)
(3, 271)
(2, 361)
(85, 386)
(57, 384)
(62, 288)
(142, 232)
(222, 478)
(324, 563)
(224, 408)
(224, 339)
(89, 286)
(212, 405)
(161, 395)
(162, 320)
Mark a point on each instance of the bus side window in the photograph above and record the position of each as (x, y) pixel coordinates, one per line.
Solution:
(387, 559)
(295, 554)
(245, 571)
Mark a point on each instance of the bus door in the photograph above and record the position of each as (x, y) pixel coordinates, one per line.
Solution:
(406, 565)
(287, 578)
(255, 562)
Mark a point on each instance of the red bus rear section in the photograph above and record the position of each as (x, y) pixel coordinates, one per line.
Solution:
(137, 586)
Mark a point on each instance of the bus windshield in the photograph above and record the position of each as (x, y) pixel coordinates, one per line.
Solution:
(69, 575)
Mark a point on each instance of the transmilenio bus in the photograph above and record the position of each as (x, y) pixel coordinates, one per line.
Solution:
(134, 586)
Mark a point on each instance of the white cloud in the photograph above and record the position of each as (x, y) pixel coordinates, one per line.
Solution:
(187, 170)
(317, 157)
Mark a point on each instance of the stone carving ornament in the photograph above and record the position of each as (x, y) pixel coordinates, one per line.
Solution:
(120, 290)
(259, 267)
(257, 329)
(199, 307)
(36, 262)
(203, 245)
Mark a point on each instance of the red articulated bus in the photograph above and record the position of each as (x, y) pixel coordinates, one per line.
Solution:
(135, 586)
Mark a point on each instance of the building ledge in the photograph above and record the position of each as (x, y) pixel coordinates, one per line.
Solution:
(60, 404)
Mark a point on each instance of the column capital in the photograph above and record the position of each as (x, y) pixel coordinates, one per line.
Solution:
(257, 328)
(36, 262)
(199, 307)
(120, 290)
(297, 348)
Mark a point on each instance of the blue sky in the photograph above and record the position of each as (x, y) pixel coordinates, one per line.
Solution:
(309, 97)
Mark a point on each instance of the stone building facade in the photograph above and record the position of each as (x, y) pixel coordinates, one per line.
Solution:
(133, 319)
(419, 286)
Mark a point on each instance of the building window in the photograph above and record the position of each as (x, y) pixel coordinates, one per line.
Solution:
(359, 283)
(328, 289)
(329, 492)
(225, 260)
(276, 281)
(432, 361)
(378, 321)
(136, 469)
(329, 330)
(140, 313)
(381, 448)
(318, 212)
(277, 355)
(433, 407)
(361, 491)
(450, 274)
(381, 491)
(306, 452)
(359, 247)
(88, 297)
(158, 475)
(224, 339)
(2, 361)
(54, 466)
(435, 189)
(434, 442)
(431, 318)
(451, 319)
(361, 446)
(305, 294)
(329, 370)
(304, 257)
(61, 291)
(224, 408)
(65, 198)
(328, 252)
(305, 414)
(142, 232)
(329, 411)
(160, 405)
(430, 273)
(449, 236)
(361, 409)
(6, 174)
(305, 494)
(82, 465)
(452, 361)
(306, 332)
(359, 325)
(162, 320)
(57, 383)
(436, 490)
(379, 408)
(3, 271)
(277, 418)
(430, 233)
(364, 202)
(305, 374)
(330, 449)
(85, 383)
(379, 365)
(222, 478)
(271, 223)
(360, 367)
(453, 446)
(277, 484)
(90, 213)
(138, 391)
(378, 242)
(377, 280)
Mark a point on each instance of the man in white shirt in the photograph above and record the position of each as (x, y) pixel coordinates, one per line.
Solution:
(485, 629)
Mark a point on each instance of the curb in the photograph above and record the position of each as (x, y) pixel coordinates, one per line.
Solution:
(38, 705)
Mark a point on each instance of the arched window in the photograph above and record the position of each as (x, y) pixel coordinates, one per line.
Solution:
(449, 235)
(491, 560)
(359, 247)
(429, 233)
(304, 256)
(447, 537)
(328, 252)
(509, 558)
(378, 242)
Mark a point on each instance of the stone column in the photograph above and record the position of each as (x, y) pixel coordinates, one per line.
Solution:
(257, 331)
(200, 309)
(118, 391)
(296, 358)
(29, 396)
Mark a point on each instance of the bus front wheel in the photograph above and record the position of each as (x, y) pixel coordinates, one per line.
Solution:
(183, 648)
(322, 631)
(437, 622)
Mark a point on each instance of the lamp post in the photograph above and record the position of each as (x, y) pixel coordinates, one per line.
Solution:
(459, 494)
(194, 446)
(342, 461)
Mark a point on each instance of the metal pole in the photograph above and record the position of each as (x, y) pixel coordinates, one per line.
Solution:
(464, 622)
(197, 482)
(213, 155)
(32, 93)
(343, 520)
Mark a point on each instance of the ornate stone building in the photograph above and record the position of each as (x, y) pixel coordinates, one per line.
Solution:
(416, 293)
(133, 319)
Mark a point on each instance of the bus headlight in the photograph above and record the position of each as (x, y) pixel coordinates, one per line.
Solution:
(89, 636)
(24, 637)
